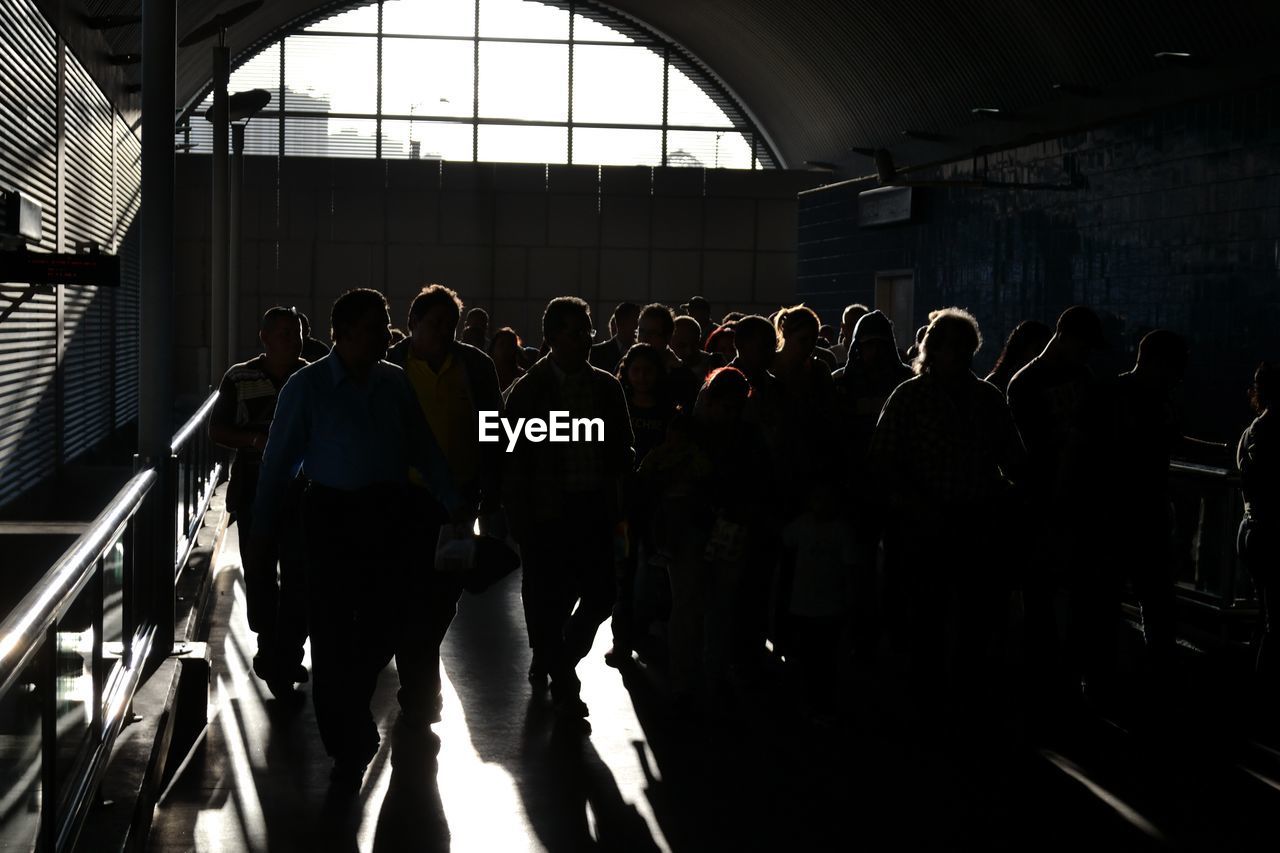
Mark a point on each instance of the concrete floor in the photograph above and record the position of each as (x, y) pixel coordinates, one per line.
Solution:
(504, 777)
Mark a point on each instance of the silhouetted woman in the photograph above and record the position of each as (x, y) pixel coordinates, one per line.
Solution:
(1027, 340)
(1258, 457)
(505, 350)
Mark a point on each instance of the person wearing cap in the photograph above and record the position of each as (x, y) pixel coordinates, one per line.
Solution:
(1045, 397)
(700, 310)
(870, 375)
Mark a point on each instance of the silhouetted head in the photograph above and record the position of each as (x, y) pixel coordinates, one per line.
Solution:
(281, 334)
(849, 320)
(624, 321)
(700, 310)
(657, 322)
(950, 343)
(798, 327)
(755, 341)
(1080, 326)
(504, 347)
(873, 341)
(1027, 340)
(433, 317)
(721, 341)
(641, 369)
(1162, 355)
(566, 328)
(478, 318)
(686, 337)
(723, 397)
(360, 326)
(1265, 391)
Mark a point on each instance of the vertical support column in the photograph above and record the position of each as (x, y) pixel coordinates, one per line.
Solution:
(154, 566)
(234, 196)
(219, 228)
(60, 245)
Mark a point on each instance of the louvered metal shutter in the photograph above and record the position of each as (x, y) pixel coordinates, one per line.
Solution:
(28, 338)
(89, 215)
(128, 226)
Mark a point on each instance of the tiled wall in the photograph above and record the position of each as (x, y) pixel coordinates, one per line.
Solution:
(1176, 224)
(507, 237)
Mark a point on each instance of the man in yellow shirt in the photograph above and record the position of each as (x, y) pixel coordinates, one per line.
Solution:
(453, 382)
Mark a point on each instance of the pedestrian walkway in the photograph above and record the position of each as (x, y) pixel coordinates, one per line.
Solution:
(504, 776)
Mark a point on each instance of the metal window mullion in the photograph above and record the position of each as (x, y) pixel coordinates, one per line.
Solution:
(377, 126)
(280, 95)
(475, 89)
(569, 126)
(666, 92)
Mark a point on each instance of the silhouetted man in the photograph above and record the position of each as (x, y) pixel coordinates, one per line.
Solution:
(562, 500)
(475, 331)
(686, 343)
(848, 321)
(657, 325)
(453, 382)
(312, 349)
(351, 422)
(606, 354)
(240, 420)
(1131, 430)
(700, 310)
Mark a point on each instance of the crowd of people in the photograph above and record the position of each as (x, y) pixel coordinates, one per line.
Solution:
(770, 494)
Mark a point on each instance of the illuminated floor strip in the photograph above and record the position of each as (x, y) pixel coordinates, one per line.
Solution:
(1118, 805)
(1266, 780)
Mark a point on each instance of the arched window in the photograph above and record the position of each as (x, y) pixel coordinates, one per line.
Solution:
(559, 81)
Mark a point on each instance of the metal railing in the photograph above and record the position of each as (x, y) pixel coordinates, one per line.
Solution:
(1207, 510)
(74, 650)
(194, 471)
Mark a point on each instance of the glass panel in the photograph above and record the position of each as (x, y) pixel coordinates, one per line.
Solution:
(322, 137)
(20, 764)
(426, 140)
(427, 77)
(525, 81)
(688, 104)
(621, 85)
(262, 136)
(522, 19)
(362, 20)
(585, 29)
(435, 18)
(261, 72)
(73, 664)
(708, 148)
(331, 74)
(113, 594)
(608, 147)
(517, 144)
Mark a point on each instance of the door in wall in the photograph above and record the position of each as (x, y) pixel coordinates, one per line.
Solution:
(895, 296)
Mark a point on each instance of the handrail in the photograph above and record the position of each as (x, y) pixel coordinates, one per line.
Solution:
(23, 630)
(184, 433)
(1185, 466)
(32, 635)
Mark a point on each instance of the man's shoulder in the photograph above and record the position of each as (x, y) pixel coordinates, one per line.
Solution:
(250, 369)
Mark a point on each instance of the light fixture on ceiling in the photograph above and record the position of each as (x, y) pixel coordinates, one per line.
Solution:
(1180, 58)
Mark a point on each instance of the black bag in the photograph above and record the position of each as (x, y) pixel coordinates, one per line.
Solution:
(495, 559)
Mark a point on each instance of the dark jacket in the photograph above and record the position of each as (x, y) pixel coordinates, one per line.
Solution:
(531, 482)
(606, 355)
(482, 384)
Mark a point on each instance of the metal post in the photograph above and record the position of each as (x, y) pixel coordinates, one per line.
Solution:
(234, 195)
(219, 248)
(154, 568)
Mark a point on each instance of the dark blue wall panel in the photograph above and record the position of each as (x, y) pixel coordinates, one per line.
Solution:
(1175, 222)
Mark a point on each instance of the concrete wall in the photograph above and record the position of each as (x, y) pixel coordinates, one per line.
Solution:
(1176, 224)
(508, 237)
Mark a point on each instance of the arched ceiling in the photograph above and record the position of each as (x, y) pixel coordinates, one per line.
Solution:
(822, 76)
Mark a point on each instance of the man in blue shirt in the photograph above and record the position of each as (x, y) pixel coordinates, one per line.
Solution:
(351, 422)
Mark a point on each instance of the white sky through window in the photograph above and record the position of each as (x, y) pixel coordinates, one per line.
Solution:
(429, 77)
